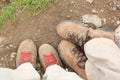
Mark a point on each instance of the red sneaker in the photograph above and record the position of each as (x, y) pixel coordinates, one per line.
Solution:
(48, 56)
(26, 53)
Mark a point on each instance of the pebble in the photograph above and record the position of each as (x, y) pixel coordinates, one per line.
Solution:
(72, 2)
(114, 8)
(104, 20)
(118, 22)
(11, 45)
(94, 19)
(90, 1)
(7, 47)
(118, 7)
(71, 10)
(2, 58)
(102, 10)
(94, 11)
(13, 55)
(68, 16)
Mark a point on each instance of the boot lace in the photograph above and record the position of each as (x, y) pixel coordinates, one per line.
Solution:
(79, 39)
(80, 55)
(50, 60)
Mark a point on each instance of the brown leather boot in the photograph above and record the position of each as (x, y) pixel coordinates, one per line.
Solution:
(78, 34)
(73, 56)
(73, 32)
(100, 33)
(48, 56)
(26, 53)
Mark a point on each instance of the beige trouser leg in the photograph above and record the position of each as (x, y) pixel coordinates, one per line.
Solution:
(103, 59)
(23, 72)
(55, 72)
(91, 72)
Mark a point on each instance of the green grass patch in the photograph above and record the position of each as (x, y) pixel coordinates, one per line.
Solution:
(12, 11)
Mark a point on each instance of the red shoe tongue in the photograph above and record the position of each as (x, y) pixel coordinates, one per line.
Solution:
(50, 60)
(25, 57)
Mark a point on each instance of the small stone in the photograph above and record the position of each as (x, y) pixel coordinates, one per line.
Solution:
(102, 10)
(71, 10)
(68, 16)
(94, 19)
(118, 22)
(104, 20)
(114, 8)
(13, 55)
(118, 7)
(90, 1)
(72, 2)
(11, 45)
(94, 11)
(2, 58)
(7, 47)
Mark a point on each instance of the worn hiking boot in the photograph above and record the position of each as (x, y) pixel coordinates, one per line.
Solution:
(78, 34)
(73, 56)
(26, 53)
(73, 32)
(48, 56)
(99, 33)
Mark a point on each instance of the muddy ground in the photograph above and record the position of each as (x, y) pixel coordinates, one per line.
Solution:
(42, 28)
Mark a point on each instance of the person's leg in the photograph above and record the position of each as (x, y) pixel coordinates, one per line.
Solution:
(27, 72)
(104, 55)
(26, 58)
(92, 70)
(57, 72)
(51, 63)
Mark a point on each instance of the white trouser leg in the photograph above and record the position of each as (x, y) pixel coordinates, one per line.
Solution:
(23, 72)
(103, 59)
(55, 72)
(92, 70)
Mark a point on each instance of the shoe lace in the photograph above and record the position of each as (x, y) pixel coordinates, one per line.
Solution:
(80, 55)
(79, 39)
(25, 57)
(50, 60)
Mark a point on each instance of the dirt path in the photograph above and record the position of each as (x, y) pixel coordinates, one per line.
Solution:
(42, 28)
